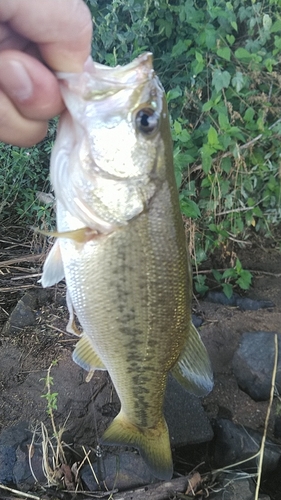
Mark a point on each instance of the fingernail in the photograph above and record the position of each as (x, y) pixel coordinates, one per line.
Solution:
(15, 81)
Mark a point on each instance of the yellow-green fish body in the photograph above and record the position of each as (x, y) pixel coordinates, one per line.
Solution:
(122, 248)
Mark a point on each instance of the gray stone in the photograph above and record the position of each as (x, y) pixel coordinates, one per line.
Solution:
(21, 316)
(125, 470)
(7, 462)
(234, 443)
(14, 435)
(253, 364)
(244, 303)
(187, 422)
(10, 439)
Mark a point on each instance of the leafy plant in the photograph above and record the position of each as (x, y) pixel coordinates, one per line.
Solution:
(51, 397)
(219, 62)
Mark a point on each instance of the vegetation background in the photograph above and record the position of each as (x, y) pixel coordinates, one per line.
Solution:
(220, 65)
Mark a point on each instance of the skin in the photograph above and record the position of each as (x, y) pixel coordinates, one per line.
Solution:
(37, 39)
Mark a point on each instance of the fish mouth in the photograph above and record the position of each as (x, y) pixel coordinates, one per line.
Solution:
(99, 81)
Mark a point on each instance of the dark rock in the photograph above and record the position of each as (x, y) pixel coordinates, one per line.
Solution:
(277, 427)
(123, 471)
(185, 416)
(44, 296)
(15, 435)
(196, 320)
(21, 316)
(253, 364)
(235, 443)
(7, 462)
(10, 440)
(235, 300)
(21, 471)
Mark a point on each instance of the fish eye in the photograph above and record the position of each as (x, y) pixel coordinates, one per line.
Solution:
(147, 120)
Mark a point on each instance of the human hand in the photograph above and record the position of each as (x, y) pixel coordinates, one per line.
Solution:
(37, 38)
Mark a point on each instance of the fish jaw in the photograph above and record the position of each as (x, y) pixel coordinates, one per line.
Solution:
(98, 180)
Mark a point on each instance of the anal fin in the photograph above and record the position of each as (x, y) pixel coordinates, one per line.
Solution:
(53, 270)
(193, 369)
(86, 357)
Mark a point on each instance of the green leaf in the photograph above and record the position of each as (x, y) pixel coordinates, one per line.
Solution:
(230, 39)
(245, 280)
(212, 137)
(277, 42)
(227, 290)
(225, 53)
(229, 273)
(243, 54)
(249, 114)
(217, 275)
(269, 63)
(177, 127)
(226, 164)
(238, 266)
(221, 79)
(189, 208)
(238, 81)
(184, 136)
(276, 27)
(199, 282)
(180, 47)
(173, 94)
(206, 163)
(223, 121)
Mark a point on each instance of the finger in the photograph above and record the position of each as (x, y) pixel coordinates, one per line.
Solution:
(30, 85)
(16, 129)
(61, 28)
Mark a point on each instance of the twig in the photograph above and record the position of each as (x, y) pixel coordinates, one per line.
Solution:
(267, 417)
(30, 450)
(19, 493)
(22, 258)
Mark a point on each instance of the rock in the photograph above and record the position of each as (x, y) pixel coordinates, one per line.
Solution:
(253, 364)
(125, 470)
(235, 443)
(235, 300)
(186, 419)
(7, 462)
(10, 440)
(196, 320)
(22, 315)
(277, 426)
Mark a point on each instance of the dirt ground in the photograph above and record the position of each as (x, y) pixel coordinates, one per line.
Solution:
(26, 355)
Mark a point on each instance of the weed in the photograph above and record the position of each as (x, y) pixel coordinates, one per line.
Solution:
(220, 65)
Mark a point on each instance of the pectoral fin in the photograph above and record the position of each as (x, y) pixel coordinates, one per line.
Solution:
(193, 369)
(81, 235)
(86, 357)
(53, 271)
(71, 326)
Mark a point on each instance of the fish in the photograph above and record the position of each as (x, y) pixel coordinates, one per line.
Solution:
(121, 247)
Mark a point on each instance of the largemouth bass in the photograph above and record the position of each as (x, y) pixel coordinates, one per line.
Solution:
(122, 248)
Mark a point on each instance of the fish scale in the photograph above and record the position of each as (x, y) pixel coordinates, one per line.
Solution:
(122, 248)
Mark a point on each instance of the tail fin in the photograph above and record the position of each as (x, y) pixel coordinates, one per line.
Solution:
(152, 443)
